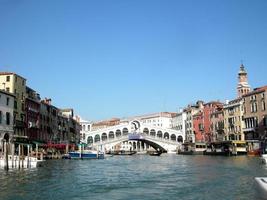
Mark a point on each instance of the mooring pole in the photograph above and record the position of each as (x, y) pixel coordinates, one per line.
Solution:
(5, 156)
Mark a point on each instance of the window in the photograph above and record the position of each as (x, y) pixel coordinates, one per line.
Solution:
(7, 89)
(7, 118)
(16, 78)
(23, 82)
(263, 105)
(0, 117)
(15, 105)
(7, 101)
(7, 78)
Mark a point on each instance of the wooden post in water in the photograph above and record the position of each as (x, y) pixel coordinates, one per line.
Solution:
(67, 148)
(28, 156)
(6, 156)
(36, 151)
(19, 156)
(12, 152)
(80, 149)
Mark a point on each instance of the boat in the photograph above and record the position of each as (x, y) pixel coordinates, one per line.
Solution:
(197, 148)
(155, 153)
(16, 161)
(264, 158)
(254, 148)
(123, 152)
(86, 154)
(262, 185)
(239, 147)
(218, 149)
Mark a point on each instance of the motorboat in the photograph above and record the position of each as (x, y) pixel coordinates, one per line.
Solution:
(264, 158)
(123, 152)
(155, 153)
(86, 154)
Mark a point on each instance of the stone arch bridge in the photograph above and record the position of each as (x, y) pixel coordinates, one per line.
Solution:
(140, 135)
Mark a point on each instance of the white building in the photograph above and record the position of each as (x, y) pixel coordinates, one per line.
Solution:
(178, 122)
(161, 119)
(86, 126)
(6, 116)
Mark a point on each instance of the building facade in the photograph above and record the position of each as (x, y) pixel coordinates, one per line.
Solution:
(190, 111)
(255, 115)
(178, 122)
(32, 112)
(6, 116)
(233, 123)
(16, 85)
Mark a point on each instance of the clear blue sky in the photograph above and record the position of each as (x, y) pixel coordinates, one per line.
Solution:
(122, 58)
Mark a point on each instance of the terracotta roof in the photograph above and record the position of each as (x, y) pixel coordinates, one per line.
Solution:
(11, 73)
(256, 91)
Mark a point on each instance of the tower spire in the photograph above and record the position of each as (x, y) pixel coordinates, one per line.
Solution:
(242, 87)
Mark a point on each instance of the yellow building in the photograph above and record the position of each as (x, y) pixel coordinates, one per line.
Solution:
(233, 123)
(16, 85)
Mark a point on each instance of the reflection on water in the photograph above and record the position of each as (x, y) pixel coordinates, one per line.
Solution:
(137, 177)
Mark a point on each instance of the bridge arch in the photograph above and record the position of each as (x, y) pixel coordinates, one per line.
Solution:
(104, 137)
(118, 133)
(166, 136)
(173, 137)
(153, 132)
(111, 135)
(180, 138)
(146, 131)
(97, 138)
(159, 134)
(90, 140)
(125, 131)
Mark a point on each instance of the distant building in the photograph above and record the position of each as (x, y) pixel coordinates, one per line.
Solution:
(198, 126)
(217, 124)
(6, 116)
(160, 119)
(255, 114)
(233, 124)
(16, 85)
(178, 122)
(209, 109)
(105, 124)
(190, 111)
(32, 112)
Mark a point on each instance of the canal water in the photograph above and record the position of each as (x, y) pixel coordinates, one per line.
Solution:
(137, 177)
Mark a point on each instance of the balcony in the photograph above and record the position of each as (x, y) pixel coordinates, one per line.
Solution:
(249, 129)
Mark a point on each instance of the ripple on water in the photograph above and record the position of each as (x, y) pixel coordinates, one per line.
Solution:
(137, 177)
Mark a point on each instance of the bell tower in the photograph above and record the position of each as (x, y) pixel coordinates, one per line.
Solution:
(242, 87)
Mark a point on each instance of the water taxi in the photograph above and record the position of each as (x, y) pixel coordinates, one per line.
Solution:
(197, 148)
(86, 154)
